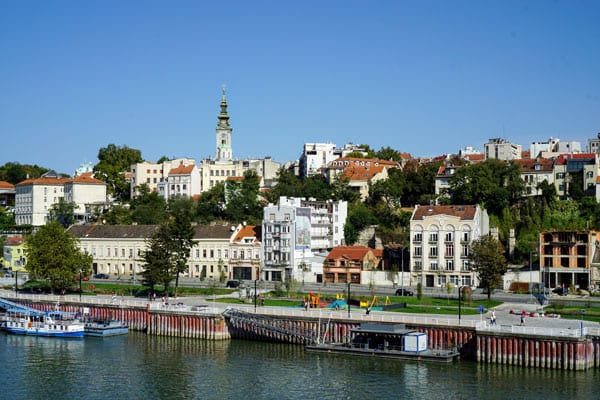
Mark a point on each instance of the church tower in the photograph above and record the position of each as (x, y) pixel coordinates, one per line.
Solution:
(224, 151)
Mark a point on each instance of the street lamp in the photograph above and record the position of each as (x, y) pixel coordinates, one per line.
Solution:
(531, 275)
(348, 299)
(255, 294)
(16, 283)
(459, 298)
(402, 273)
(80, 272)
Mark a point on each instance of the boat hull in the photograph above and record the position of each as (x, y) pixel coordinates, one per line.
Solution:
(427, 355)
(113, 328)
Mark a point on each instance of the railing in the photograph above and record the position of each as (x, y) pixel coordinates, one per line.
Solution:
(540, 331)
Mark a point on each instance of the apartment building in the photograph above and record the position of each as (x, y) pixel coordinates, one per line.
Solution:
(152, 174)
(501, 149)
(184, 181)
(439, 241)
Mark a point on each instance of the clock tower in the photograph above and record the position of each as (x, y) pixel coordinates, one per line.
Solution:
(224, 151)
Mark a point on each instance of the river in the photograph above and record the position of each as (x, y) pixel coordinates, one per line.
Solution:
(137, 366)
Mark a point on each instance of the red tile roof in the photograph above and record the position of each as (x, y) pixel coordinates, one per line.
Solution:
(6, 185)
(45, 181)
(182, 170)
(529, 164)
(83, 178)
(249, 231)
(349, 252)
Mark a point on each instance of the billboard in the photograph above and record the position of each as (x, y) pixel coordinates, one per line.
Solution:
(302, 228)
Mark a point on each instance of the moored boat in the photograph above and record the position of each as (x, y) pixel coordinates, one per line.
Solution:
(105, 328)
(23, 321)
(389, 341)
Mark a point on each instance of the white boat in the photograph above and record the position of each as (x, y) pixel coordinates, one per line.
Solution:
(23, 321)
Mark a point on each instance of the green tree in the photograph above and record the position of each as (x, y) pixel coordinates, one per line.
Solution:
(181, 234)
(486, 257)
(359, 217)
(242, 199)
(118, 215)
(387, 153)
(288, 185)
(158, 259)
(114, 162)
(53, 255)
(148, 208)
(211, 204)
(62, 212)
(13, 172)
(7, 220)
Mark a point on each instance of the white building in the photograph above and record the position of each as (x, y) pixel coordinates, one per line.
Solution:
(439, 242)
(183, 180)
(152, 174)
(35, 197)
(501, 149)
(314, 157)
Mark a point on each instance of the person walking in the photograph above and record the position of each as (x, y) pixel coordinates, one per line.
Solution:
(523, 318)
(493, 318)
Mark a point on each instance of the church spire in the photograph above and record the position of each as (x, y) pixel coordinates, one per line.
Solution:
(223, 116)
(224, 150)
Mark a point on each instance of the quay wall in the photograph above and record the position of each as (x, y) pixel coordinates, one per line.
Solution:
(188, 324)
(480, 345)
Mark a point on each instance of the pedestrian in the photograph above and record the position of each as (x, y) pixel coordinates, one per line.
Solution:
(493, 317)
(523, 318)
(368, 310)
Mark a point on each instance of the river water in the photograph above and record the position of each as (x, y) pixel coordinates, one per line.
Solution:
(137, 366)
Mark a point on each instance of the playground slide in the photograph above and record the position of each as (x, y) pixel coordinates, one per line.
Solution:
(338, 304)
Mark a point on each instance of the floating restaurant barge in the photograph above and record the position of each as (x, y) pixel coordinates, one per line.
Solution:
(576, 350)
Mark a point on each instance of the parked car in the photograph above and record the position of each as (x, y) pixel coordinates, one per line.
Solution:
(561, 291)
(232, 284)
(404, 292)
(101, 276)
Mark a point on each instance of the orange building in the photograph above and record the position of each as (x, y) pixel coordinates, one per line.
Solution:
(344, 264)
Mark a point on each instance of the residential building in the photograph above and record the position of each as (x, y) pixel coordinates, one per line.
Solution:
(117, 249)
(7, 194)
(439, 241)
(570, 258)
(575, 169)
(593, 145)
(35, 197)
(345, 264)
(314, 157)
(501, 149)
(183, 180)
(245, 253)
(152, 174)
(14, 254)
(534, 172)
(359, 172)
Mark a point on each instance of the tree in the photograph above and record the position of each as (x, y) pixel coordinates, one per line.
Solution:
(13, 172)
(148, 208)
(181, 234)
(211, 204)
(157, 260)
(53, 255)
(114, 162)
(486, 257)
(63, 212)
(242, 199)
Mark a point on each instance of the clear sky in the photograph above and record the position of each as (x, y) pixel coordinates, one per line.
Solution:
(424, 77)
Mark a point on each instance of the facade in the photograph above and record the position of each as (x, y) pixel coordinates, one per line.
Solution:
(34, 197)
(575, 169)
(501, 149)
(439, 240)
(89, 195)
(245, 252)
(295, 232)
(117, 249)
(570, 258)
(183, 180)
(593, 145)
(7, 194)
(152, 174)
(14, 254)
(534, 172)
(345, 264)
(359, 172)
(314, 157)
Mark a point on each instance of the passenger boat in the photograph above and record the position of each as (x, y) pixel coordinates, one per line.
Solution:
(105, 328)
(23, 321)
(389, 341)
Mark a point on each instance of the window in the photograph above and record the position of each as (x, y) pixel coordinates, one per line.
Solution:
(242, 254)
(465, 250)
(449, 250)
(465, 265)
(466, 236)
(433, 266)
(449, 236)
(212, 253)
(418, 237)
(433, 252)
(203, 253)
(560, 175)
(433, 237)
(123, 253)
(417, 251)
(226, 253)
(418, 265)
(449, 265)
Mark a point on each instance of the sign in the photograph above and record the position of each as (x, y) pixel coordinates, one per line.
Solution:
(480, 309)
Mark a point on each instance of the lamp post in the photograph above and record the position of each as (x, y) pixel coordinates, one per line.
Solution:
(402, 272)
(80, 272)
(348, 299)
(459, 299)
(16, 282)
(255, 294)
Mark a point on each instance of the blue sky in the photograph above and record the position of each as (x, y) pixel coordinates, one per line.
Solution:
(424, 77)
